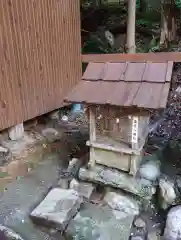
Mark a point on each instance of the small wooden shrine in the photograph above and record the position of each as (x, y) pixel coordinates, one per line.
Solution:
(119, 97)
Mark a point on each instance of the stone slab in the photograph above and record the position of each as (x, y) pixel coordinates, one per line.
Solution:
(122, 203)
(117, 179)
(8, 234)
(84, 189)
(95, 222)
(58, 208)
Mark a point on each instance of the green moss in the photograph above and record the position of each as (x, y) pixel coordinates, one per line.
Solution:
(4, 174)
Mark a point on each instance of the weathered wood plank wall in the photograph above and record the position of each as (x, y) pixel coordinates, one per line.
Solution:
(40, 56)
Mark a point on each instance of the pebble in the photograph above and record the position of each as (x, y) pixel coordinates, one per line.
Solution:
(139, 223)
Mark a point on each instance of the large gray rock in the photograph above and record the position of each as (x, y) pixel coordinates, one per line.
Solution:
(57, 209)
(8, 234)
(121, 202)
(150, 171)
(96, 222)
(167, 193)
(115, 178)
(173, 224)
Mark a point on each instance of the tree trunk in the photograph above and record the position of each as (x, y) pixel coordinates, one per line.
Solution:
(130, 38)
(143, 5)
(168, 23)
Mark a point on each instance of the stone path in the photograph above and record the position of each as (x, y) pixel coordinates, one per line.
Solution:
(23, 195)
(95, 222)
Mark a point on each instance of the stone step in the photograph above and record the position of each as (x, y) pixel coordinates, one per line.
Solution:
(57, 209)
(111, 177)
(95, 222)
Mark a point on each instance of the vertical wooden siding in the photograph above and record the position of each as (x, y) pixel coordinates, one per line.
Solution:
(40, 56)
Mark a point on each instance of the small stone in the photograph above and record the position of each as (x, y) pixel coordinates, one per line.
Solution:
(150, 171)
(122, 203)
(50, 133)
(83, 188)
(74, 184)
(58, 208)
(139, 223)
(3, 149)
(74, 167)
(173, 224)
(65, 118)
(178, 91)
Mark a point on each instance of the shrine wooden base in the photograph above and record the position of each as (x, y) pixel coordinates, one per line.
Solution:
(120, 158)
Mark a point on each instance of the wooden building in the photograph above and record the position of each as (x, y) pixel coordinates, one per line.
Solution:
(119, 97)
(40, 56)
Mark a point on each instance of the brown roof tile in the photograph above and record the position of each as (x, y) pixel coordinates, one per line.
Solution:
(94, 71)
(143, 84)
(113, 71)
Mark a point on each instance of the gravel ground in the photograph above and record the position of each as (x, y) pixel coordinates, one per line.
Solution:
(23, 195)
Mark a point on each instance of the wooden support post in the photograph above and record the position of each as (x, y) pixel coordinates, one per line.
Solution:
(92, 131)
(16, 132)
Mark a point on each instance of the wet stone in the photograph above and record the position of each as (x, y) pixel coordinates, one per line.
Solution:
(167, 195)
(117, 179)
(122, 203)
(57, 209)
(95, 222)
(8, 234)
(172, 230)
(84, 189)
(150, 171)
(139, 223)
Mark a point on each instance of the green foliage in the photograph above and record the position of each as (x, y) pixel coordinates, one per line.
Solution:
(97, 43)
(178, 3)
(148, 18)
